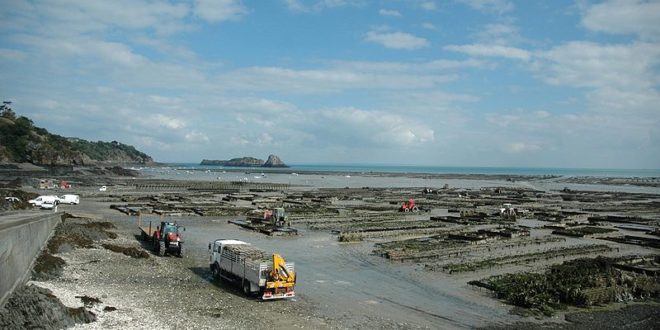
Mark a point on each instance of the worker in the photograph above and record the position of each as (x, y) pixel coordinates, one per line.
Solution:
(157, 233)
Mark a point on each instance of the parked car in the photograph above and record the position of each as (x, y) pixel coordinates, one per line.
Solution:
(11, 199)
(103, 188)
(70, 199)
(51, 199)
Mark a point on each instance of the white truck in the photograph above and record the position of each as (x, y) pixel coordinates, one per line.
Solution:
(239, 262)
(70, 199)
(48, 199)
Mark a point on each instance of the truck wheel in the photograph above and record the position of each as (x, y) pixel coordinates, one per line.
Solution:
(246, 288)
(161, 248)
(178, 253)
(216, 272)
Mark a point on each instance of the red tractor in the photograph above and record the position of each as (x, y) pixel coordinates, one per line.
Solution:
(167, 239)
(409, 206)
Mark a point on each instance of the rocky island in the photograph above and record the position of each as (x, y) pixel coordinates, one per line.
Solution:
(272, 161)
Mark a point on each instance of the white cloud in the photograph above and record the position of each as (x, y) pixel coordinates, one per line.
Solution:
(498, 6)
(502, 33)
(111, 52)
(490, 50)
(427, 5)
(299, 6)
(520, 147)
(639, 17)
(196, 137)
(345, 76)
(7, 54)
(389, 12)
(167, 48)
(587, 64)
(265, 139)
(396, 40)
(581, 139)
(429, 26)
(295, 5)
(72, 17)
(418, 68)
(215, 11)
(375, 127)
(166, 121)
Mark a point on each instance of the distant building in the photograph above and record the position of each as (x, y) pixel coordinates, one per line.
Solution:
(48, 184)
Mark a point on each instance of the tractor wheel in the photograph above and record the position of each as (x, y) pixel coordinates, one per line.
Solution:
(246, 288)
(161, 248)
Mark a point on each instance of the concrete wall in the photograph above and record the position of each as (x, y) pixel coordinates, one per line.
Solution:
(21, 238)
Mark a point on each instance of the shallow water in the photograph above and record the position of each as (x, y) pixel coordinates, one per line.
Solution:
(346, 281)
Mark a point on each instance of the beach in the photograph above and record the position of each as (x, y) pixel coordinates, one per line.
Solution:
(360, 262)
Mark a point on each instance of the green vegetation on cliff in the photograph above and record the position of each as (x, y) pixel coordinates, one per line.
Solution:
(21, 141)
(101, 151)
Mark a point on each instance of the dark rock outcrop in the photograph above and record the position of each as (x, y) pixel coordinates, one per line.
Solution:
(274, 161)
(33, 307)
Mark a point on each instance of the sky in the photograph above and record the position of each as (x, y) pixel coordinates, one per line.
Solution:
(417, 82)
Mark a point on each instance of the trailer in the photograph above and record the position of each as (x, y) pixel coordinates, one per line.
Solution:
(251, 268)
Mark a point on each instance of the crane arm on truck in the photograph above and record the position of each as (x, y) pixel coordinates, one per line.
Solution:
(280, 276)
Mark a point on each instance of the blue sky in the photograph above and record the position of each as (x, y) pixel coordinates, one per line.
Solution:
(453, 82)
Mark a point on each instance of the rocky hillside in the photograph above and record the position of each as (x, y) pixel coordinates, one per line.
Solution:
(273, 161)
(22, 142)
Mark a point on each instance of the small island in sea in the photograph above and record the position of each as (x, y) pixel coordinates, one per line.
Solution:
(272, 161)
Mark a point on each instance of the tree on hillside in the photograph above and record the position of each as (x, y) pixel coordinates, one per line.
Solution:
(6, 111)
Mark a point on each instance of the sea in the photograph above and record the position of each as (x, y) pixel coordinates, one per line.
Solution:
(360, 176)
(361, 168)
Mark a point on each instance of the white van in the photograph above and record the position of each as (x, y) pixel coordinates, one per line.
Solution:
(70, 199)
(51, 199)
(48, 205)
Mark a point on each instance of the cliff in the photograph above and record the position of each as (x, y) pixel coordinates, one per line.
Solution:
(22, 142)
(273, 161)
